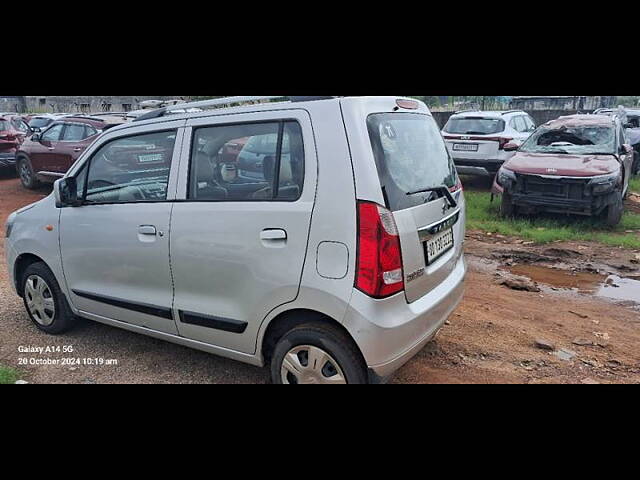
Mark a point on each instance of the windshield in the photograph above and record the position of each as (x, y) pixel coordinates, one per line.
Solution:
(410, 156)
(39, 122)
(474, 125)
(576, 140)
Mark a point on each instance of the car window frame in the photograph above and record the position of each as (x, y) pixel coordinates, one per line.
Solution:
(50, 127)
(281, 121)
(83, 167)
(73, 124)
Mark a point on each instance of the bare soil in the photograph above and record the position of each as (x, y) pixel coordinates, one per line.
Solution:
(491, 338)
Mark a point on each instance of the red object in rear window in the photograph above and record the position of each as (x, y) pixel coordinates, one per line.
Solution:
(379, 260)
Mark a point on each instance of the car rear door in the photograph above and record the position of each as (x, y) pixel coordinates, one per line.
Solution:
(237, 252)
(44, 154)
(72, 143)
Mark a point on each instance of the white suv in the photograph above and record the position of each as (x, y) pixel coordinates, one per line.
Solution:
(477, 140)
(334, 258)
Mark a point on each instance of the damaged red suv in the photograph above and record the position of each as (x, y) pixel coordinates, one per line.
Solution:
(13, 131)
(578, 164)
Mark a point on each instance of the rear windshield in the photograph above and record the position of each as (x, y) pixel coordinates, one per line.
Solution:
(4, 125)
(410, 156)
(578, 140)
(474, 125)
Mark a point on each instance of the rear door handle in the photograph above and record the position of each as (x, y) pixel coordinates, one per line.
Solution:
(77, 149)
(147, 230)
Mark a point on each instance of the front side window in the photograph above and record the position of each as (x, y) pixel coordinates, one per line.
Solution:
(410, 156)
(130, 169)
(53, 133)
(572, 139)
(247, 162)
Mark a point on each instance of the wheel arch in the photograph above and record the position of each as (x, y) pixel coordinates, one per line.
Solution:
(21, 264)
(285, 321)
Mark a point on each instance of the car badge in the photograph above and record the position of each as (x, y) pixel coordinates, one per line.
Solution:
(552, 170)
(465, 137)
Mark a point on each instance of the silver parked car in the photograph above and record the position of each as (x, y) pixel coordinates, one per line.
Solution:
(336, 263)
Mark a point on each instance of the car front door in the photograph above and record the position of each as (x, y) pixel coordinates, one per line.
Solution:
(115, 246)
(44, 153)
(238, 243)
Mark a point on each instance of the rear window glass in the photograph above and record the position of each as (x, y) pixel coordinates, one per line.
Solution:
(474, 125)
(410, 156)
(578, 140)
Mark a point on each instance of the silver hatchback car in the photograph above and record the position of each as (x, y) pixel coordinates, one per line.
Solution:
(332, 251)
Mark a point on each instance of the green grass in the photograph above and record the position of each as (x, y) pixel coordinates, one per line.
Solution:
(634, 185)
(483, 215)
(8, 375)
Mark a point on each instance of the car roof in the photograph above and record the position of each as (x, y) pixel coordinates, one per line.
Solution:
(308, 103)
(580, 120)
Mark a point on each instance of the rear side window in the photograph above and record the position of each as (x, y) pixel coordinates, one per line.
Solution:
(410, 156)
(519, 124)
(4, 125)
(474, 125)
(130, 169)
(73, 133)
(247, 162)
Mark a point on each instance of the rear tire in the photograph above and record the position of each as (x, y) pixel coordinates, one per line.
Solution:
(507, 208)
(45, 303)
(26, 174)
(615, 210)
(317, 353)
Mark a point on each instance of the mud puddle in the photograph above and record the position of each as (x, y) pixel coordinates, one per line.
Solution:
(607, 286)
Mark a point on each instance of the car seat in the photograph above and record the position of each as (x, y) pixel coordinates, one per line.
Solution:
(206, 186)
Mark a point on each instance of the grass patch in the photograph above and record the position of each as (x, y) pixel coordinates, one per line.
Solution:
(634, 184)
(484, 215)
(8, 375)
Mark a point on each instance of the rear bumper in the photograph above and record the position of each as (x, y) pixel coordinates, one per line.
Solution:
(490, 165)
(390, 332)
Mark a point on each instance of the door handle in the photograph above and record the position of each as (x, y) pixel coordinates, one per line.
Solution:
(147, 230)
(273, 234)
(77, 149)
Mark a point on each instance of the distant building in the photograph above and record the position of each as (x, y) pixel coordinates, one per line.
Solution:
(561, 103)
(71, 104)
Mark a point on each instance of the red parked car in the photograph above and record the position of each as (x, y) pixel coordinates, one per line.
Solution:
(13, 131)
(578, 164)
(47, 156)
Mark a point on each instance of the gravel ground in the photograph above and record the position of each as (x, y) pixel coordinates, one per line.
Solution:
(489, 339)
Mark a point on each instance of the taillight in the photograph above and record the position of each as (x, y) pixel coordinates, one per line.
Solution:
(379, 260)
(502, 142)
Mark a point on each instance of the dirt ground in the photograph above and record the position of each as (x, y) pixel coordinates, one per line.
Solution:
(491, 338)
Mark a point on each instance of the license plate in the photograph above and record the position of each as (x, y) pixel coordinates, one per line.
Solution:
(465, 147)
(438, 245)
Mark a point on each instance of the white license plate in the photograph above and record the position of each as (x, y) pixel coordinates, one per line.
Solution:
(465, 147)
(438, 245)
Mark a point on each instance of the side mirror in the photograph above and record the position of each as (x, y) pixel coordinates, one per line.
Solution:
(65, 191)
(36, 136)
(626, 149)
(511, 147)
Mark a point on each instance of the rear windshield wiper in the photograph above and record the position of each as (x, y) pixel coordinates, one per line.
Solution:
(443, 190)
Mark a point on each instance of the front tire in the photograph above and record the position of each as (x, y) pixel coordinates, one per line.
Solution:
(507, 208)
(46, 305)
(26, 174)
(615, 210)
(317, 353)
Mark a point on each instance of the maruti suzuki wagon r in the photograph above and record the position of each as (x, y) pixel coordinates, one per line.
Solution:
(332, 251)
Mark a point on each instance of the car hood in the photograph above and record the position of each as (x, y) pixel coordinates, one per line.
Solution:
(562, 164)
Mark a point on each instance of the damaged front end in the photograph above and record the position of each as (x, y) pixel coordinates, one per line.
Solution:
(532, 193)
